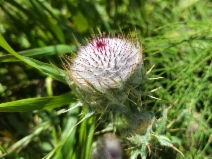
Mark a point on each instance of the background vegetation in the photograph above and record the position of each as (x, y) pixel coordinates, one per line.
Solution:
(176, 37)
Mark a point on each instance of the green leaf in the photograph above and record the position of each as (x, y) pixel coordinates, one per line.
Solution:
(43, 67)
(63, 141)
(135, 153)
(161, 122)
(31, 104)
(143, 152)
(72, 118)
(40, 52)
(47, 69)
(165, 141)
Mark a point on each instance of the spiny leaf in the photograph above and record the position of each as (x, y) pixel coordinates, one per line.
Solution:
(165, 141)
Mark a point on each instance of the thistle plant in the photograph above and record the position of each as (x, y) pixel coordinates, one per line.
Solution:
(107, 73)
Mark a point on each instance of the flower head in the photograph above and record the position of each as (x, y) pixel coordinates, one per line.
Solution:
(105, 63)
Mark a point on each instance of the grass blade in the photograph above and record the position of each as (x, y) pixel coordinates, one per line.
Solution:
(31, 104)
(40, 52)
(43, 67)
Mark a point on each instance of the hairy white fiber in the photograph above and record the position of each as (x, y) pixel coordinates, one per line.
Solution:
(105, 63)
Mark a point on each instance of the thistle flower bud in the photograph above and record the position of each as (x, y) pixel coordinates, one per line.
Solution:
(106, 67)
(105, 63)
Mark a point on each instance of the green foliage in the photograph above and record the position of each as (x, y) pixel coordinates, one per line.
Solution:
(40, 52)
(40, 114)
(31, 104)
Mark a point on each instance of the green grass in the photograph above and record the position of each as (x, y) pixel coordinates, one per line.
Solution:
(176, 37)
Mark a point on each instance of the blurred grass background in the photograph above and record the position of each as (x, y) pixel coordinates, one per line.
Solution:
(176, 37)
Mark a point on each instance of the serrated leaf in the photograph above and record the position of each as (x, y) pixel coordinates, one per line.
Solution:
(143, 152)
(161, 122)
(31, 104)
(165, 141)
(134, 154)
(137, 140)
